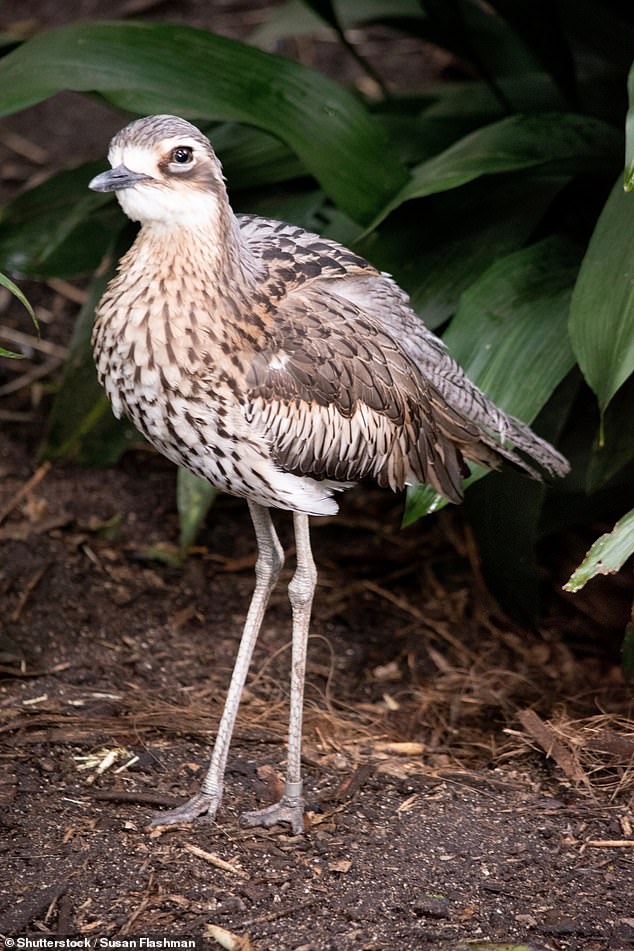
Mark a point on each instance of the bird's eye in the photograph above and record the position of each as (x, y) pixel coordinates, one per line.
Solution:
(182, 155)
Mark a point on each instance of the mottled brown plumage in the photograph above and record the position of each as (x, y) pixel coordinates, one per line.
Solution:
(280, 366)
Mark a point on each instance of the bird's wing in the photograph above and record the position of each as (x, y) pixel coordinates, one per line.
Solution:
(297, 259)
(337, 397)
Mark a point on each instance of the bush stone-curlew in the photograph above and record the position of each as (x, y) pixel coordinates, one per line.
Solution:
(283, 368)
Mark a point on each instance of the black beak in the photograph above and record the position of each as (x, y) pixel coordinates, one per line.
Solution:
(116, 179)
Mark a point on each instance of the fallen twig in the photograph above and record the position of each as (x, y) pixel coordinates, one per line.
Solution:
(214, 859)
(125, 795)
(29, 587)
(543, 733)
(611, 843)
(30, 484)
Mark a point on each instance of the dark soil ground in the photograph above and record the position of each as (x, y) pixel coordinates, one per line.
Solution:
(436, 818)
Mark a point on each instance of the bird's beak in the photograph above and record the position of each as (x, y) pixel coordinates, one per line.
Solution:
(116, 179)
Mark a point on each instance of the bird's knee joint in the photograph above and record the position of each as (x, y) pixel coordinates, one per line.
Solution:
(302, 587)
(268, 567)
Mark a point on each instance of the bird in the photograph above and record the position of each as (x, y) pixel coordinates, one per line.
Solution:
(283, 368)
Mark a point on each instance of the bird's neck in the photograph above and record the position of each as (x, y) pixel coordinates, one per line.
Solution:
(208, 253)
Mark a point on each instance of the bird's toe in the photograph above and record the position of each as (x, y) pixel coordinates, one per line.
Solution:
(199, 807)
(289, 810)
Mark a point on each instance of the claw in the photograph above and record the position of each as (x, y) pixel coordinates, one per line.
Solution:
(200, 806)
(289, 809)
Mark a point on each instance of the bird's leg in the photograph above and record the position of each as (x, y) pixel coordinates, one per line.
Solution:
(267, 569)
(301, 589)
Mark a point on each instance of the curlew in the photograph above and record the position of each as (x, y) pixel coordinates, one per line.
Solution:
(283, 368)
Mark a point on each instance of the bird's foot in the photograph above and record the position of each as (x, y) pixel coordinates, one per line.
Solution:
(289, 809)
(201, 806)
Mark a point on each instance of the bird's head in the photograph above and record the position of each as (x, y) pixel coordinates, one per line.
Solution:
(164, 172)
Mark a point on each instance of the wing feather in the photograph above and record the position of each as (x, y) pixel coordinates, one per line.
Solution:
(328, 413)
(352, 384)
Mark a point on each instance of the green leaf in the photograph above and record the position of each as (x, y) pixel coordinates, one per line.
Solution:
(305, 209)
(252, 158)
(463, 234)
(628, 182)
(294, 18)
(193, 499)
(15, 290)
(58, 228)
(607, 555)
(558, 142)
(530, 93)
(160, 67)
(602, 311)
(510, 337)
(510, 330)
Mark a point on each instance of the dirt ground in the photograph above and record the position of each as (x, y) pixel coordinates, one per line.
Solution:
(470, 783)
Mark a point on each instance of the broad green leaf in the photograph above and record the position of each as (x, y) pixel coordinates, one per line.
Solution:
(435, 251)
(602, 311)
(557, 142)
(304, 209)
(290, 19)
(193, 499)
(510, 336)
(296, 18)
(160, 67)
(58, 228)
(422, 128)
(607, 555)
(510, 330)
(629, 136)
(530, 93)
(252, 158)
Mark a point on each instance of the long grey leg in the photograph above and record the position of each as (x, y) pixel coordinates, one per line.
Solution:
(267, 569)
(300, 591)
